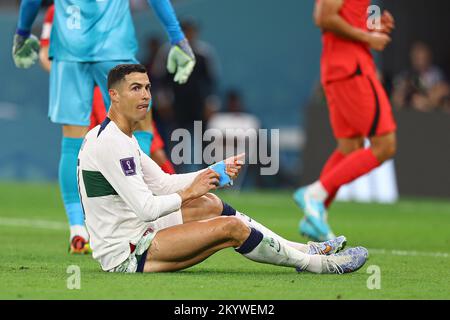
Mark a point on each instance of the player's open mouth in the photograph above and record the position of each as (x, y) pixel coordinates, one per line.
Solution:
(142, 106)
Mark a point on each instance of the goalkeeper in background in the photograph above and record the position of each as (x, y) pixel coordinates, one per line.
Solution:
(89, 39)
(98, 113)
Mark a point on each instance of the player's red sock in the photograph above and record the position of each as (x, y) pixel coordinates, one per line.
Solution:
(335, 158)
(353, 166)
(167, 167)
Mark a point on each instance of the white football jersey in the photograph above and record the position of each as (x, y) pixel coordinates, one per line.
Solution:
(123, 191)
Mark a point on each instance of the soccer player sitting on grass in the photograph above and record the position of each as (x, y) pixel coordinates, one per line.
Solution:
(141, 219)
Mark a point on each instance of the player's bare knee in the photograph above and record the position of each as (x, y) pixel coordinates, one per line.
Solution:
(214, 204)
(349, 145)
(235, 230)
(384, 148)
(391, 149)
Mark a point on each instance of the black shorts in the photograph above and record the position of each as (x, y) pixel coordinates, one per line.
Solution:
(141, 262)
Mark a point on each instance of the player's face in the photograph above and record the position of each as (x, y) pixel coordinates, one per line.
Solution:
(134, 96)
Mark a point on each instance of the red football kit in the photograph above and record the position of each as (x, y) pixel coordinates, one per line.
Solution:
(357, 102)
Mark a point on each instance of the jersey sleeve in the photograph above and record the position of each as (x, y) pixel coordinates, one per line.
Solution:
(118, 164)
(27, 14)
(47, 26)
(163, 183)
(166, 14)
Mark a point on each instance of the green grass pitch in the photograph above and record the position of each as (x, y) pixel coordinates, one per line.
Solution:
(408, 241)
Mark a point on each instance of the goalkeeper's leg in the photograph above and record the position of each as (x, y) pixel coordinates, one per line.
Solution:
(67, 176)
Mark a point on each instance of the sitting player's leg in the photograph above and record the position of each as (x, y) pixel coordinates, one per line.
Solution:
(206, 207)
(185, 245)
(329, 247)
(210, 206)
(74, 80)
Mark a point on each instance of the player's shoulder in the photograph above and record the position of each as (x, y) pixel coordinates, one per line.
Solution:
(89, 140)
(110, 138)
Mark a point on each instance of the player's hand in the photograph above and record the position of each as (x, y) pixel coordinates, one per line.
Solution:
(206, 181)
(25, 50)
(378, 41)
(387, 22)
(221, 169)
(181, 61)
(234, 165)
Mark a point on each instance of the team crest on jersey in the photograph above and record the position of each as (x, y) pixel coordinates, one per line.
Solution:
(128, 166)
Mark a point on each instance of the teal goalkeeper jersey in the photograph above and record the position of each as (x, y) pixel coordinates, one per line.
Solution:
(92, 31)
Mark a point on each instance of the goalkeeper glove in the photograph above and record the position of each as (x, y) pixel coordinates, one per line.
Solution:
(224, 178)
(25, 50)
(181, 61)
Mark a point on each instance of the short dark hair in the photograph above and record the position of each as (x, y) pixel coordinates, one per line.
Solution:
(119, 72)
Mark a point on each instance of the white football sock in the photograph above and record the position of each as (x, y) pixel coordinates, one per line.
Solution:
(79, 230)
(317, 191)
(265, 249)
(266, 231)
(272, 251)
(315, 264)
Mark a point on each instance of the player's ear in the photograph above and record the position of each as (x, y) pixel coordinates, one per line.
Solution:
(113, 94)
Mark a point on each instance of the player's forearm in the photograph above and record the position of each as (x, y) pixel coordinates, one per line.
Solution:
(177, 182)
(157, 207)
(337, 25)
(167, 16)
(171, 183)
(186, 195)
(163, 183)
(44, 60)
(27, 14)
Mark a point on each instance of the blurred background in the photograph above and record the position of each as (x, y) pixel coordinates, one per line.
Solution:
(261, 60)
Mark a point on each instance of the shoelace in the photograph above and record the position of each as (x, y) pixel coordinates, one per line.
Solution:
(333, 266)
(314, 248)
